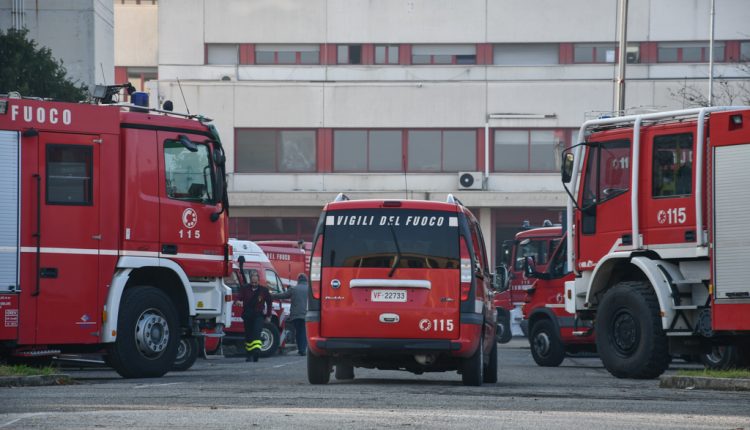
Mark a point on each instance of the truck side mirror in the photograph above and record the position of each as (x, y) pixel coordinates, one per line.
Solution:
(500, 279)
(241, 261)
(566, 170)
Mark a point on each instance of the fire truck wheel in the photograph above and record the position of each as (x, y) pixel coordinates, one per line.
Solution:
(344, 371)
(473, 367)
(270, 338)
(187, 353)
(318, 369)
(147, 339)
(546, 347)
(629, 335)
(504, 334)
(722, 358)
(490, 372)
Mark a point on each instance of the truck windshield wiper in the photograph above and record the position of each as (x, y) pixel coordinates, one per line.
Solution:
(398, 251)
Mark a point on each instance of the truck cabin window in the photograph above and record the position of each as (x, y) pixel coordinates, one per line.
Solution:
(607, 171)
(672, 165)
(69, 175)
(189, 175)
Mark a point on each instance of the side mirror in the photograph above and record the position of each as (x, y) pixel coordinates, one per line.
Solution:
(529, 267)
(500, 279)
(187, 143)
(241, 261)
(566, 170)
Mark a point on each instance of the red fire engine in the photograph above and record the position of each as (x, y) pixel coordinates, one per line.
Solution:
(658, 240)
(289, 258)
(113, 230)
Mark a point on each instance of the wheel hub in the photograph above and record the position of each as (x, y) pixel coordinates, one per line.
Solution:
(542, 344)
(267, 340)
(151, 333)
(625, 332)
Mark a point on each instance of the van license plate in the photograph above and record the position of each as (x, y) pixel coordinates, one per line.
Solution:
(389, 295)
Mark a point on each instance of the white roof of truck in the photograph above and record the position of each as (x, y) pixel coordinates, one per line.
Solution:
(249, 249)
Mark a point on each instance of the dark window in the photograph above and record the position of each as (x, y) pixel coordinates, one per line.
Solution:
(673, 165)
(275, 151)
(188, 174)
(374, 237)
(349, 54)
(441, 151)
(69, 175)
(607, 171)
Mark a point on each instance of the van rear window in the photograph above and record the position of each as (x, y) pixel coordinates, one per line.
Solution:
(376, 237)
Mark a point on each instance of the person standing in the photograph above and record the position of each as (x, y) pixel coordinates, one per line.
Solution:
(256, 309)
(298, 309)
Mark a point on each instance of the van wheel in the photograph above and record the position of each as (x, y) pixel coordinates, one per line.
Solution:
(473, 367)
(490, 372)
(503, 333)
(147, 334)
(629, 335)
(187, 353)
(318, 369)
(722, 358)
(269, 338)
(546, 347)
(344, 371)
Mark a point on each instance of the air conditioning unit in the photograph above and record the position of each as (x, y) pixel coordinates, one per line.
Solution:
(469, 180)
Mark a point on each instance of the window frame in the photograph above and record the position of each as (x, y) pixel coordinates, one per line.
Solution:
(368, 132)
(442, 149)
(654, 165)
(277, 152)
(388, 48)
(567, 137)
(704, 47)
(213, 195)
(297, 55)
(453, 57)
(90, 164)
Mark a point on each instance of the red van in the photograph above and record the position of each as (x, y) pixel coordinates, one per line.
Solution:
(400, 285)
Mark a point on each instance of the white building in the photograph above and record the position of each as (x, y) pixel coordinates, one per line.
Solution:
(392, 98)
(78, 32)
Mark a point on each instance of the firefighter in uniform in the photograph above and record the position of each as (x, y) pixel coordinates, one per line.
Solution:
(257, 308)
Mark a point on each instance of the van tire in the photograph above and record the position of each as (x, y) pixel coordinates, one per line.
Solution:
(142, 307)
(490, 372)
(473, 367)
(546, 347)
(722, 358)
(344, 372)
(504, 334)
(629, 335)
(318, 369)
(271, 338)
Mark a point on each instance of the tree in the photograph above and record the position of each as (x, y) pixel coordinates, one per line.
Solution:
(727, 91)
(32, 71)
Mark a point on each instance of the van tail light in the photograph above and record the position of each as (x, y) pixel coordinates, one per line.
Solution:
(316, 266)
(465, 271)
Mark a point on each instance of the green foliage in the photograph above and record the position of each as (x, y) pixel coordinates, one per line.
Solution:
(32, 71)
(22, 370)
(731, 373)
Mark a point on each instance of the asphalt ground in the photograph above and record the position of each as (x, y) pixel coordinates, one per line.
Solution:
(274, 393)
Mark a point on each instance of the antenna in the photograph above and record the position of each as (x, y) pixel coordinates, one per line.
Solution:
(104, 77)
(183, 96)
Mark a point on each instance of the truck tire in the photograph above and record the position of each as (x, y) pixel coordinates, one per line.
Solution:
(473, 367)
(490, 371)
(503, 333)
(270, 339)
(546, 347)
(722, 358)
(187, 352)
(344, 372)
(147, 334)
(318, 369)
(629, 335)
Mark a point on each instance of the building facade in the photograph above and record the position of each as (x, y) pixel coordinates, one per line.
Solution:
(403, 98)
(78, 32)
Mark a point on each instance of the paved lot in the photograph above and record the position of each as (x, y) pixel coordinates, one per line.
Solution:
(274, 393)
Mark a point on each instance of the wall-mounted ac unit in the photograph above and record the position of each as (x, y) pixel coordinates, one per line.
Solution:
(469, 180)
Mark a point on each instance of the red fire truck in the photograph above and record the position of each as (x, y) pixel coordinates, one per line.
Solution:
(658, 240)
(289, 258)
(113, 231)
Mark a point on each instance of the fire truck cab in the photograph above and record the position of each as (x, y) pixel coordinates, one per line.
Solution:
(400, 285)
(112, 233)
(658, 239)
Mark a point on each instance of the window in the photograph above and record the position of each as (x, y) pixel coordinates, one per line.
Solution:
(607, 171)
(441, 151)
(528, 150)
(538, 249)
(69, 175)
(386, 54)
(604, 53)
(275, 151)
(273, 282)
(287, 54)
(526, 54)
(444, 54)
(373, 151)
(688, 52)
(744, 51)
(188, 174)
(673, 165)
(222, 53)
(138, 76)
(349, 54)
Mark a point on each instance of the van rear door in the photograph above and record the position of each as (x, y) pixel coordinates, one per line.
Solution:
(390, 273)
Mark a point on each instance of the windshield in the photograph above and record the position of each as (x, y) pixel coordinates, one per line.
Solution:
(188, 174)
(365, 238)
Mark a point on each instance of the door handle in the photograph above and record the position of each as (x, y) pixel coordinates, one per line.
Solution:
(169, 249)
(48, 272)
